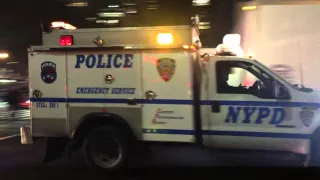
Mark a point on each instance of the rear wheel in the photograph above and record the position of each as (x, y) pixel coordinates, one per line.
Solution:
(106, 148)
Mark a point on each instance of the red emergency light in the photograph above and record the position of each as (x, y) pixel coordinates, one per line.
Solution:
(66, 40)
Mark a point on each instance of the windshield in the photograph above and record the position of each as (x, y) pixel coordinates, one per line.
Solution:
(273, 73)
(295, 86)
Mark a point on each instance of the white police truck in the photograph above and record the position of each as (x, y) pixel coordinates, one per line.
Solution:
(104, 90)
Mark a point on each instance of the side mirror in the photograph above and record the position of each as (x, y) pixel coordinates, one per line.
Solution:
(205, 57)
(280, 91)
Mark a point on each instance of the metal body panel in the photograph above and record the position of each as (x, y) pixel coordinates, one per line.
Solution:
(49, 127)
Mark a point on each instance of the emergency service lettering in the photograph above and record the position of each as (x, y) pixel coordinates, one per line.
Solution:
(261, 113)
(97, 90)
(104, 61)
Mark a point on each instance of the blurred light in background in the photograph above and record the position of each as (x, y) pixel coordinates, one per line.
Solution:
(200, 2)
(204, 25)
(131, 11)
(77, 4)
(111, 14)
(7, 81)
(152, 5)
(4, 55)
(108, 21)
(129, 4)
(245, 8)
(113, 6)
(91, 18)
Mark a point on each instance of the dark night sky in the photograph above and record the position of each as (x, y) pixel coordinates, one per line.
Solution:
(20, 20)
(20, 26)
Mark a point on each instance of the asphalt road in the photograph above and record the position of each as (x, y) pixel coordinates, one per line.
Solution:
(24, 162)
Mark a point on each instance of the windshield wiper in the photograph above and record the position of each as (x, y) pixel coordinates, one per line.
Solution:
(300, 86)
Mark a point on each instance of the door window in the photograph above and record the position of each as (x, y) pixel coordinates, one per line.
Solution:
(243, 78)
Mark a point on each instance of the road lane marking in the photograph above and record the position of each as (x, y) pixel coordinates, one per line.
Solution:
(8, 137)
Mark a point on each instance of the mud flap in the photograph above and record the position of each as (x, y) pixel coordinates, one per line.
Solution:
(55, 149)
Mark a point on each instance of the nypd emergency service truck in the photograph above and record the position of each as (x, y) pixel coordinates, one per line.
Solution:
(104, 90)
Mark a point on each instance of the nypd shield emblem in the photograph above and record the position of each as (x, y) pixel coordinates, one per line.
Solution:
(48, 72)
(306, 117)
(166, 68)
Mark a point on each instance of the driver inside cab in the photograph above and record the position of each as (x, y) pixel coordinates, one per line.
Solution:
(239, 78)
(224, 87)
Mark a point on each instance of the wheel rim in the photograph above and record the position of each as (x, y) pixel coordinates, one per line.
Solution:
(106, 153)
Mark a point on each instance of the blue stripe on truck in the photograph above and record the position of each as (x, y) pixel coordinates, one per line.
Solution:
(177, 102)
(190, 102)
(228, 133)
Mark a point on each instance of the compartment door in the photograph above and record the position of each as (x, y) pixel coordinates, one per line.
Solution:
(167, 92)
(47, 76)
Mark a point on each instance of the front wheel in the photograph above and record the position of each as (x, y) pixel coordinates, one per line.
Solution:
(315, 148)
(106, 148)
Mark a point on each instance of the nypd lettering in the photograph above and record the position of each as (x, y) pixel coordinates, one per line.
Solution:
(273, 115)
(98, 90)
(48, 72)
(104, 61)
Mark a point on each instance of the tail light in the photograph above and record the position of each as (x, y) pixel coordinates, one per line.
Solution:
(25, 104)
(66, 40)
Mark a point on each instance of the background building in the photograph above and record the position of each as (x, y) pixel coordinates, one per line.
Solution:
(21, 20)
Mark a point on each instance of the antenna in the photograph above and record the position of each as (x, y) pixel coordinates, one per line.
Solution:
(45, 27)
(41, 25)
(195, 22)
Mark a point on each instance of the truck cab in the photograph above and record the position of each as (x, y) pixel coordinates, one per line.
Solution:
(247, 106)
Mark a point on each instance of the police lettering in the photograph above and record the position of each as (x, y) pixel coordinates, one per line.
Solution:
(48, 64)
(104, 61)
(262, 113)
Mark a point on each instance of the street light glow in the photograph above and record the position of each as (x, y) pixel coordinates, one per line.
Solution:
(245, 8)
(4, 55)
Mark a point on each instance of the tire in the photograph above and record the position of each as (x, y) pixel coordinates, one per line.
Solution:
(315, 148)
(97, 154)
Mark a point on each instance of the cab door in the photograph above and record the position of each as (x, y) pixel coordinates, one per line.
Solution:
(246, 119)
(217, 127)
(47, 76)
